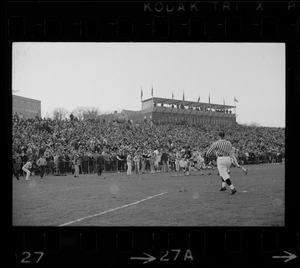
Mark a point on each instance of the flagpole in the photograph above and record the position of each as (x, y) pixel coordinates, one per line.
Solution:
(152, 94)
(235, 109)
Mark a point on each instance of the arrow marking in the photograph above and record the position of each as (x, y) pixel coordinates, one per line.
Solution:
(290, 256)
(147, 259)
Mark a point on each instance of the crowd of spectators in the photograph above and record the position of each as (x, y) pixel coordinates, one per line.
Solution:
(59, 140)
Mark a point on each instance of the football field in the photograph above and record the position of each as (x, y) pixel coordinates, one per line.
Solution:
(161, 199)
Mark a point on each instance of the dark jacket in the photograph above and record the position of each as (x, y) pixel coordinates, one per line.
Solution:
(164, 156)
(100, 160)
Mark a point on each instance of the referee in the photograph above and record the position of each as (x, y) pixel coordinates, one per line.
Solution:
(222, 149)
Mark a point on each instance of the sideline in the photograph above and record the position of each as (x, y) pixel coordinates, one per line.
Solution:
(111, 210)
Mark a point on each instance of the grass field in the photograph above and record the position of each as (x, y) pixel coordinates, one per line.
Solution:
(161, 199)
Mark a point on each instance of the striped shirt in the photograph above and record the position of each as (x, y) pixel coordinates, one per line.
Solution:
(220, 148)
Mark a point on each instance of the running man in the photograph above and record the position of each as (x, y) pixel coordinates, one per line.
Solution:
(222, 149)
(26, 168)
(199, 162)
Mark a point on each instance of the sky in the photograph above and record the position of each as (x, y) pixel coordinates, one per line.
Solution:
(110, 76)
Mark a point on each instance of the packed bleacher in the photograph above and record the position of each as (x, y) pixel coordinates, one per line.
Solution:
(59, 140)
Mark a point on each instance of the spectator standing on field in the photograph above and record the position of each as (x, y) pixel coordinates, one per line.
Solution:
(42, 163)
(158, 161)
(61, 163)
(68, 164)
(80, 160)
(152, 162)
(129, 163)
(77, 161)
(18, 164)
(85, 162)
(114, 161)
(107, 164)
(121, 160)
(100, 164)
(91, 162)
(56, 164)
(164, 160)
(148, 156)
(143, 161)
(15, 169)
(172, 159)
(137, 159)
(177, 160)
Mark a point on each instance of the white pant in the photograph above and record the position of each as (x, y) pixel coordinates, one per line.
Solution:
(27, 173)
(200, 164)
(129, 168)
(234, 161)
(76, 171)
(223, 164)
(177, 167)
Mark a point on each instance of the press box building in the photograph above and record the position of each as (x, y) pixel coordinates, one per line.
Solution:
(162, 110)
(26, 106)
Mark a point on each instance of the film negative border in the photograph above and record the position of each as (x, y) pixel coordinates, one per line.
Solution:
(162, 247)
(155, 21)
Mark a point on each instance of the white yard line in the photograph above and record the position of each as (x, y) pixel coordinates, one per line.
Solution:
(111, 210)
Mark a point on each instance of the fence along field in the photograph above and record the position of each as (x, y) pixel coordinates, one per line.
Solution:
(160, 199)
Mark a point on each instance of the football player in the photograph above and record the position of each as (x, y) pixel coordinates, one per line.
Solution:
(233, 155)
(188, 157)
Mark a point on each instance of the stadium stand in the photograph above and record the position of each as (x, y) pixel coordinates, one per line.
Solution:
(61, 139)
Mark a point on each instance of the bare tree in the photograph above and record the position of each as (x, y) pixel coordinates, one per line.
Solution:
(79, 112)
(90, 113)
(46, 114)
(60, 113)
(254, 124)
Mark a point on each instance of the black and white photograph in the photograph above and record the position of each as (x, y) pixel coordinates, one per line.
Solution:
(148, 134)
